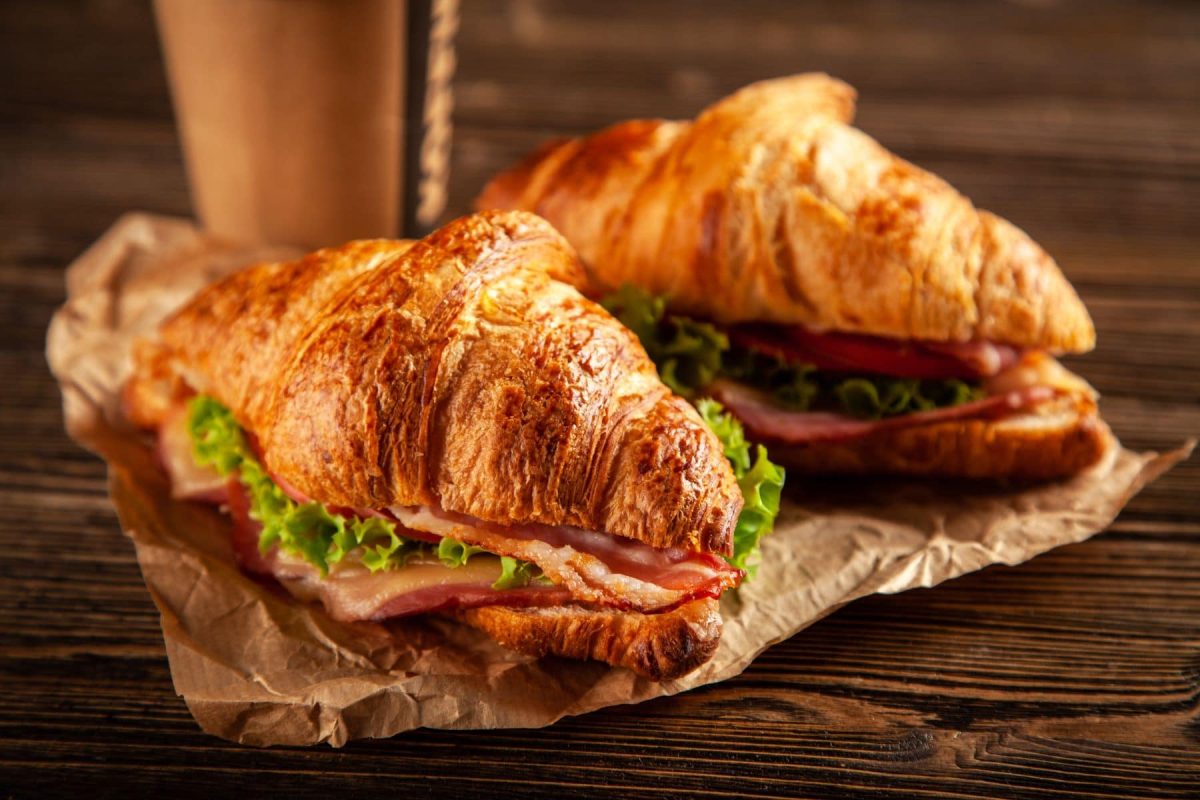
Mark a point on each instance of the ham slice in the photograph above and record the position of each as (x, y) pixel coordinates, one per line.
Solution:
(189, 481)
(764, 420)
(846, 352)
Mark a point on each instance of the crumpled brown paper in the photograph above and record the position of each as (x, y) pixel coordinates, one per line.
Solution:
(257, 667)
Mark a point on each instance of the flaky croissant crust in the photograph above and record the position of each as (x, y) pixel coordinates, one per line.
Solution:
(657, 646)
(461, 371)
(1055, 440)
(771, 207)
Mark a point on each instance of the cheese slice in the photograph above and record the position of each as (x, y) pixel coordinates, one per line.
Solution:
(352, 592)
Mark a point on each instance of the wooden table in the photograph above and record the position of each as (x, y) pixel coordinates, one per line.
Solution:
(1076, 675)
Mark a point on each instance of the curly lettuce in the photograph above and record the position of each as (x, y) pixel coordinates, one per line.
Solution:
(453, 553)
(515, 573)
(792, 386)
(687, 352)
(760, 480)
(309, 530)
(878, 397)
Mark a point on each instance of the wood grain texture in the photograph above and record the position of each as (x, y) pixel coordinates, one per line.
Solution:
(1076, 675)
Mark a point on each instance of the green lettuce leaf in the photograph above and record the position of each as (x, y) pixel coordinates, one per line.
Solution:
(453, 553)
(217, 440)
(515, 573)
(687, 352)
(762, 487)
(309, 530)
(761, 483)
(729, 431)
(792, 386)
(878, 397)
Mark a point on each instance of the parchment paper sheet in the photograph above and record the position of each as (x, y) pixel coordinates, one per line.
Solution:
(257, 667)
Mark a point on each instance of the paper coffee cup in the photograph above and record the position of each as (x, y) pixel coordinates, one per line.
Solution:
(312, 122)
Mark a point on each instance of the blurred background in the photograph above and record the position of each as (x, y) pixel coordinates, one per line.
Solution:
(1075, 119)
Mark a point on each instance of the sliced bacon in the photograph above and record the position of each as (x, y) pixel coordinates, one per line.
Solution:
(764, 420)
(596, 567)
(847, 352)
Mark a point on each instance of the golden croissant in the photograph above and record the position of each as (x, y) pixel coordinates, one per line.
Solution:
(803, 241)
(448, 425)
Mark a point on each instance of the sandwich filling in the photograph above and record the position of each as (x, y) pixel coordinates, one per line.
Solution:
(375, 563)
(795, 386)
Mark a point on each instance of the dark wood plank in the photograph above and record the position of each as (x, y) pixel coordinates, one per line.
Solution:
(1075, 675)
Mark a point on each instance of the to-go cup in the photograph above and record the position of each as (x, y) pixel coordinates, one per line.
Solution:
(312, 122)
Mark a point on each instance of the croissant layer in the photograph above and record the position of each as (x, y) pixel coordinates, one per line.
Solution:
(656, 646)
(771, 207)
(1054, 441)
(462, 371)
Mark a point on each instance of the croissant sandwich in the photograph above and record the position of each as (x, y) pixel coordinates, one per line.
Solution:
(854, 311)
(449, 426)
